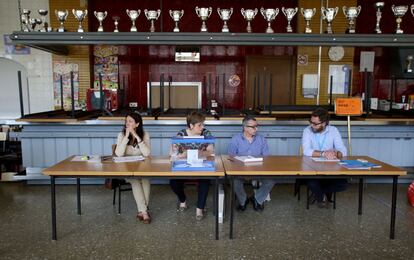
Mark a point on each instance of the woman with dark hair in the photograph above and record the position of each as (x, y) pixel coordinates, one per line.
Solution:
(195, 127)
(133, 140)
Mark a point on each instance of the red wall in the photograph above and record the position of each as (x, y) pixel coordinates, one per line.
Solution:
(142, 62)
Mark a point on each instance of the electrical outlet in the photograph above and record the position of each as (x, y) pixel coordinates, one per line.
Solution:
(133, 104)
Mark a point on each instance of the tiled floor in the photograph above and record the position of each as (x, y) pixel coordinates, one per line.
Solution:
(285, 230)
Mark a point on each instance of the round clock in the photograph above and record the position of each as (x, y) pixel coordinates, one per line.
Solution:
(336, 53)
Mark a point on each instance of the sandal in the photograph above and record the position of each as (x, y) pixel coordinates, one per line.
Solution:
(182, 206)
(140, 217)
(146, 220)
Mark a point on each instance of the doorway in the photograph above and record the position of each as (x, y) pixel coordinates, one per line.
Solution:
(263, 72)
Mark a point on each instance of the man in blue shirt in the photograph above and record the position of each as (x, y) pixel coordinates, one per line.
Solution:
(250, 143)
(323, 140)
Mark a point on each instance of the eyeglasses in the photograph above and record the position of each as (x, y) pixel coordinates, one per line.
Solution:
(252, 126)
(315, 124)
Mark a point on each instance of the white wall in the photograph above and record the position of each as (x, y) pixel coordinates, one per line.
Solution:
(38, 64)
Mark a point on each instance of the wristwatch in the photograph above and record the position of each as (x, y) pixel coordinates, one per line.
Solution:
(323, 154)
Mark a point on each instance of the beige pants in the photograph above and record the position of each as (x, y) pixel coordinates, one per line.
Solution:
(141, 191)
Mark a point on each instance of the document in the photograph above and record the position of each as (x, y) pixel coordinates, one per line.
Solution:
(128, 158)
(248, 158)
(323, 159)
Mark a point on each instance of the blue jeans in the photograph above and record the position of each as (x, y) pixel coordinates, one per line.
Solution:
(261, 193)
(320, 187)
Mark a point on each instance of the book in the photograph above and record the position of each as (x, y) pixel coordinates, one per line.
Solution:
(358, 164)
(128, 159)
(248, 158)
(323, 159)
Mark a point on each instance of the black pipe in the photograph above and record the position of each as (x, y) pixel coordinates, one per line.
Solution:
(150, 95)
(101, 94)
(393, 90)
(61, 91)
(369, 92)
(349, 82)
(330, 93)
(72, 95)
(162, 92)
(169, 91)
(254, 93)
(209, 92)
(258, 90)
(264, 90)
(19, 78)
(28, 95)
(270, 93)
(223, 100)
(366, 90)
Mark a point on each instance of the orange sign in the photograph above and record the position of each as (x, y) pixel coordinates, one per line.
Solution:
(348, 106)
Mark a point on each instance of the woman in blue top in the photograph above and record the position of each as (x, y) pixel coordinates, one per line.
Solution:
(195, 127)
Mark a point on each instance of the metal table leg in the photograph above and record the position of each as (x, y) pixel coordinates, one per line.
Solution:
(78, 195)
(216, 207)
(361, 188)
(393, 206)
(231, 206)
(53, 200)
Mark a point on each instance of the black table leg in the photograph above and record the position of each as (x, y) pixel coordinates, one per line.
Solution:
(78, 195)
(393, 206)
(231, 206)
(361, 188)
(53, 200)
(216, 208)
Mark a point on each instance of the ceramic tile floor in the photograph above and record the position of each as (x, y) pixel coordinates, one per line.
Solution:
(285, 230)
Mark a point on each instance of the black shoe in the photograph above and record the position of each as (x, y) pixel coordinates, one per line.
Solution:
(256, 205)
(329, 197)
(243, 207)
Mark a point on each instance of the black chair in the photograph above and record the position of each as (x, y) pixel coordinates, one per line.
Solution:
(300, 182)
(10, 154)
(118, 184)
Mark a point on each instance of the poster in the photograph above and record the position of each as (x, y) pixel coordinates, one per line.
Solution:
(106, 63)
(10, 48)
(63, 69)
(340, 79)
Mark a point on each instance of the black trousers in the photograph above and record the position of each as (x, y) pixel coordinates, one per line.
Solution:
(320, 187)
(203, 185)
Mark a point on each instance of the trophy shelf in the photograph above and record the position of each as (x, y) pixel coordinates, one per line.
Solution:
(55, 41)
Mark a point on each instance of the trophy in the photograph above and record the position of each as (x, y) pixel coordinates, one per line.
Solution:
(308, 14)
(378, 6)
(249, 15)
(409, 59)
(43, 13)
(399, 11)
(61, 16)
(329, 14)
(269, 15)
(133, 15)
(80, 15)
(204, 13)
(152, 15)
(100, 16)
(351, 13)
(116, 22)
(24, 19)
(176, 16)
(412, 10)
(33, 22)
(289, 13)
(225, 15)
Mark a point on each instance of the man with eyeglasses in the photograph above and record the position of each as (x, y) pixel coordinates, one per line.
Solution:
(249, 142)
(323, 140)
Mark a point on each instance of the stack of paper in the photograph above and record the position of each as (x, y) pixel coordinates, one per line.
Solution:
(358, 164)
(128, 158)
(323, 159)
(248, 158)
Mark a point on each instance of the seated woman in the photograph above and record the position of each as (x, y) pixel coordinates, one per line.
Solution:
(195, 127)
(133, 140)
